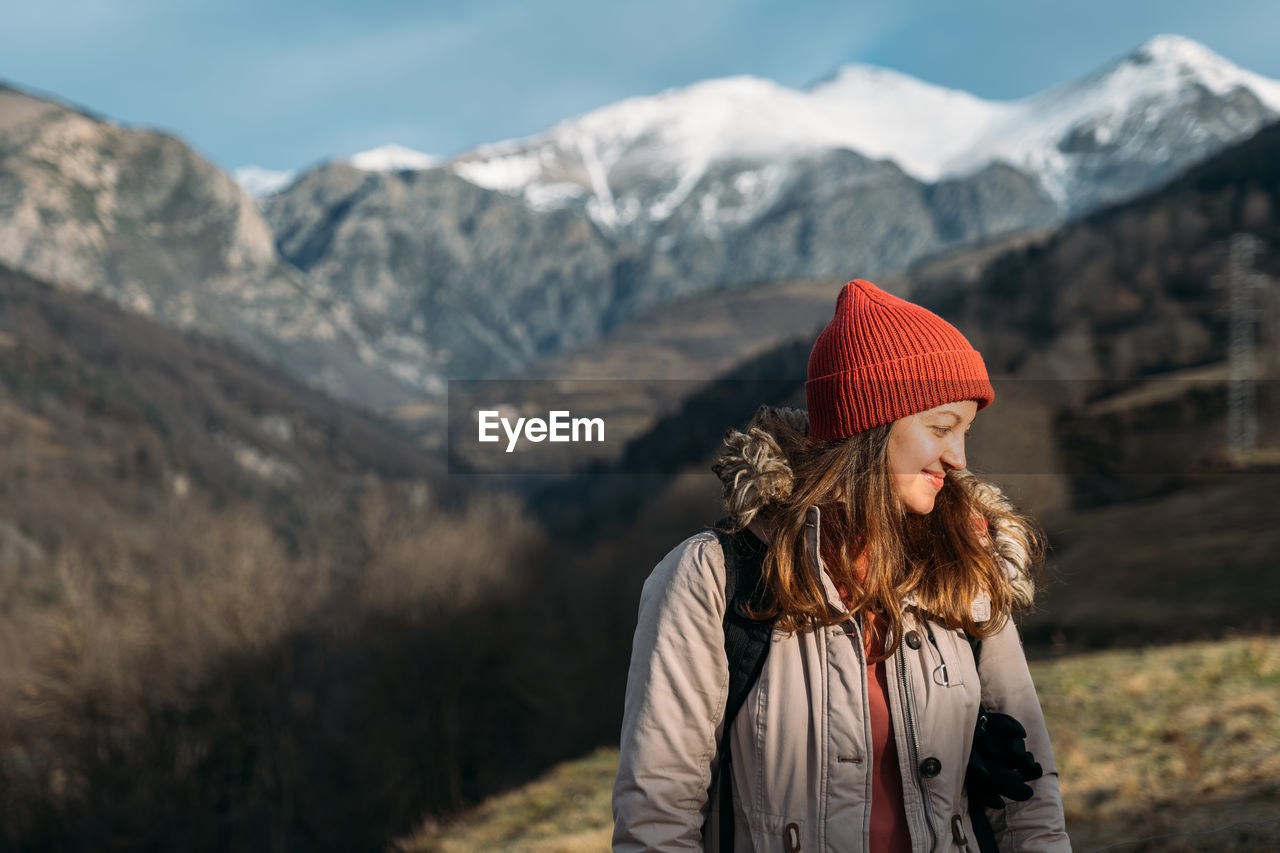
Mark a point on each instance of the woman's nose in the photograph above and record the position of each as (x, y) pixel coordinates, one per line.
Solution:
(953, 457)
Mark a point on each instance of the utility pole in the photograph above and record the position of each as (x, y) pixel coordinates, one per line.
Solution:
(1242, 349)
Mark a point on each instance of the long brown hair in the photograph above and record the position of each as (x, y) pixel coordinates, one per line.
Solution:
(885, 559)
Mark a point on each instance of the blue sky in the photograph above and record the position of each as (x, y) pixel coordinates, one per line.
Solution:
(287, 84)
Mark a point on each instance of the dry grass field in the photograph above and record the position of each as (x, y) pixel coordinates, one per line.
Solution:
(1173, 748)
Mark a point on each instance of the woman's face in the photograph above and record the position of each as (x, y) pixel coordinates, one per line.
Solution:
(924, 448)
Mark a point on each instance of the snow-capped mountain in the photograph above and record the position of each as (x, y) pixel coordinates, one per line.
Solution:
(1169, 103)
(403, 270)
(718, 155)
(393, 158)
(519, 249)
(639, 159)
(630, 165)
(259, 182)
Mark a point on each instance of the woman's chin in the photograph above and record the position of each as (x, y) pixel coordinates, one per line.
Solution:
(917, 505)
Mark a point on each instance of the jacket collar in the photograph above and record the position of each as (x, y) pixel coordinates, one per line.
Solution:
(812, 536)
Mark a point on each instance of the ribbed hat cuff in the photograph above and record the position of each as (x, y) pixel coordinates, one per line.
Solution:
(843, 404)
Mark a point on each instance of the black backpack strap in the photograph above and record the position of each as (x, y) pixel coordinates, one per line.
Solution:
(746, 644)
(982, 831)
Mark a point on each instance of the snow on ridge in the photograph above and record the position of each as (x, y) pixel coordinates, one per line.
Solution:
(672, 137)
(677, 134)
(1175, 51)
(1165, 63)
(258, 182)
(1220, 74)
(392, 158)
(1155, 75)
(922, 127)
(509, 171)
(643, 156)
(688, 123)
(1161, 67)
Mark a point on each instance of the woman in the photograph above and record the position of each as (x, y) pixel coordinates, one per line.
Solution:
(882, 555)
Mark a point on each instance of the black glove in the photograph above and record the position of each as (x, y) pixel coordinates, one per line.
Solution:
(1000, 765)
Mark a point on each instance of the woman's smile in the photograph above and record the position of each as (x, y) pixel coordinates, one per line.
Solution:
(923, 447)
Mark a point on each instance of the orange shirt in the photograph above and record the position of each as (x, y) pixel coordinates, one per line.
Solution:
(889, 831)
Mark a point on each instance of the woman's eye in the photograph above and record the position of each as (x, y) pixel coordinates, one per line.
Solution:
(940, 431)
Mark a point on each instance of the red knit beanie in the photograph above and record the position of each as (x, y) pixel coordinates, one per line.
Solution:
(882, 358)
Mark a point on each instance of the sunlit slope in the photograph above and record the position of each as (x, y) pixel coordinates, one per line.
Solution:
(1168, 749)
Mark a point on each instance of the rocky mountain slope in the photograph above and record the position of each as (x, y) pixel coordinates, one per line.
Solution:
(140, 218)
(448, 279)
(1106, 339)
(739, 181)
(501, 282)
(379, 280)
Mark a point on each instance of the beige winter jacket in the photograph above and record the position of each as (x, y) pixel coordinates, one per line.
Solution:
(801, 757)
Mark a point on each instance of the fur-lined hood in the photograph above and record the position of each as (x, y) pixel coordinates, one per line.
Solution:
(755, 473)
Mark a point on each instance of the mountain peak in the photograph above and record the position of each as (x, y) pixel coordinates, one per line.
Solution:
(1171, 48)
(259, 182)
(855, 77)
(1170, 61)
(392, 158)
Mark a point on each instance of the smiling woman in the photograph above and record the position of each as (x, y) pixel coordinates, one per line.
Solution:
(800, 677)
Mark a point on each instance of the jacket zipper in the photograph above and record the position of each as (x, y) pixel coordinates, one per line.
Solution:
(861, 651)
(904, 689)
